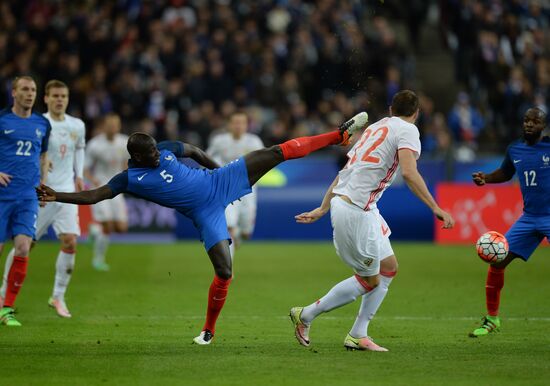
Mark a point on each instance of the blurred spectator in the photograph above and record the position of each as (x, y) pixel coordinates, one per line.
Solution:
(465, 121)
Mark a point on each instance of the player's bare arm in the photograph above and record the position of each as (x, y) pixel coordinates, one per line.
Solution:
(4, 179)
(88, 197)
(415, 182)
(200, 156)
(317, 213)
(495, 177)
(44, 166)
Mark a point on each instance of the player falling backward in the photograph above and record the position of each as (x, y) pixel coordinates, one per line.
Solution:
(201, 194)
(361, 236)
(224, 148)
(66, 154)
(23, 164)
(529, 159)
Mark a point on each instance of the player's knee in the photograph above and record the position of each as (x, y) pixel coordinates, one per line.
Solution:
(276, 150)
(224, 273)
(370, 281)
(68, 243)
(22, 249)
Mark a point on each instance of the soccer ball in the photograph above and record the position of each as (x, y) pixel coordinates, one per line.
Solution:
(492, 247)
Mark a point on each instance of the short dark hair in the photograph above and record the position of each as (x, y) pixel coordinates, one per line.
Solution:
(404, 103)
(138, 142)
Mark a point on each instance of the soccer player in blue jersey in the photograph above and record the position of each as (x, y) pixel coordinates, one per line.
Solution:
(529, 159)
(23, 163)
(201, 194)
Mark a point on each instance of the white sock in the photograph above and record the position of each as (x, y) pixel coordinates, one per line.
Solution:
(101, 243)
(63, 271)
(369, 306)
(341, 294)
(7, 267)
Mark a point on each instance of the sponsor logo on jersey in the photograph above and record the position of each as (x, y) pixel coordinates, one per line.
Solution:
(9, 131)
(141, 177)
(168, 158)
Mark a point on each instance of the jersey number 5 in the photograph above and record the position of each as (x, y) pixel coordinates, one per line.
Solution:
(380, 135)
(167, 177)
(24, 148)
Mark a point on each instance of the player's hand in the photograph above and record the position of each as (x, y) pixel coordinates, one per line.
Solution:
(478, 178)
(79, 184)
(45, 193)
(448, 220)
(309, 217)
(4, 179)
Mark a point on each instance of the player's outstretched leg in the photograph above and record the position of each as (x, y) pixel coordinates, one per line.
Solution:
(259, 162)
(341, 294)
(221, 260)
(493, 286)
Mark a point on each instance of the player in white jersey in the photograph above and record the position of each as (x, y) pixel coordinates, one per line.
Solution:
(66, 155)
(361, 236)
(106, 156)
(227, 147)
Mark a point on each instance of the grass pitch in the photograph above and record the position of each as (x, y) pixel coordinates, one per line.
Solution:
(134, 324)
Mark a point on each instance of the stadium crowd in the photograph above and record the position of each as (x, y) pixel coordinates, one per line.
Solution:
(501, 51)
(177, 68)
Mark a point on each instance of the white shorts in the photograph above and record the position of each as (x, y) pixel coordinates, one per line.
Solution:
(63, 217)
(111, 210)
(241, 214)
(361, 237)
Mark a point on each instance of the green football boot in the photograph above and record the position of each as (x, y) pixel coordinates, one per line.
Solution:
(7, 317)
(488, 324)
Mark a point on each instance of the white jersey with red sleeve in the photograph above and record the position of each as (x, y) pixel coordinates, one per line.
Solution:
(373, 160)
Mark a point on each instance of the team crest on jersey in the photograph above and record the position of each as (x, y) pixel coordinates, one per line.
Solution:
(74, 137)
(369, 261)
(546, 160)
(168, 158)
(38, 133)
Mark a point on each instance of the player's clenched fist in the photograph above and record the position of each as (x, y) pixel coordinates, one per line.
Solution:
(478, 178)
(45, 193)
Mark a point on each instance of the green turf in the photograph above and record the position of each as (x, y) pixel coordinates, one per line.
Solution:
(134, 325)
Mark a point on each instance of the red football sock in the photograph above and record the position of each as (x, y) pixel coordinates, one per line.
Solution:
(495, 282)
(17, 274)
(216, 300)
(300, 147)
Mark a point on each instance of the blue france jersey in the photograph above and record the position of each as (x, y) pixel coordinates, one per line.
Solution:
(171, 184)
(532, 166)
(22, 141)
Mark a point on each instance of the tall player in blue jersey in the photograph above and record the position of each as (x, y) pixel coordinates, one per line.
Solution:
(201, 194)
(23, 162)
(529, 159)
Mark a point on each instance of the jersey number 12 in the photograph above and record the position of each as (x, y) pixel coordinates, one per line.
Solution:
(530, 177)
